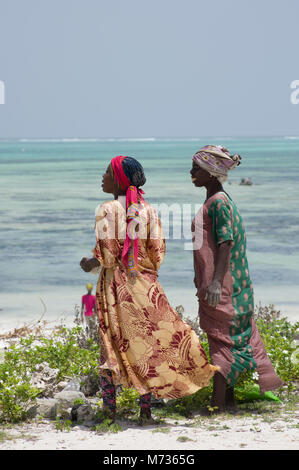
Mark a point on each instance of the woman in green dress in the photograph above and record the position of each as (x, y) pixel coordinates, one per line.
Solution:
(223, 283)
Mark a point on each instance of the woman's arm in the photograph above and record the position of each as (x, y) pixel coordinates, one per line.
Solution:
(220, 212)
(213, 293)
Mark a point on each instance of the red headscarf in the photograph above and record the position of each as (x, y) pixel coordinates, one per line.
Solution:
(133, 196)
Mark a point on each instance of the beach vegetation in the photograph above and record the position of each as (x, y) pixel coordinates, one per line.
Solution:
(164, 430)
(184, 439)
(73, 353)
(4, 436)
(62, 351)
(79, 401)
(106, 424)
(63, 424)
(127, 402)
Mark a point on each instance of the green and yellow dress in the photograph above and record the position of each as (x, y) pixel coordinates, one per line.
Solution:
(234, 341)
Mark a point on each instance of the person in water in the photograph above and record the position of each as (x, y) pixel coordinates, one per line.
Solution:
(222, 280)
(88, 308)
(144, 342)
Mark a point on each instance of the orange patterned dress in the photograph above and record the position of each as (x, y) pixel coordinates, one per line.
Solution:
(144, 342)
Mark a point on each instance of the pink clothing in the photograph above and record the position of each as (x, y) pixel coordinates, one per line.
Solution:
(89, 302)
(133, 196)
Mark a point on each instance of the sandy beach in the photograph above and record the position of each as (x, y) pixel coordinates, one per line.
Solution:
(267, 430)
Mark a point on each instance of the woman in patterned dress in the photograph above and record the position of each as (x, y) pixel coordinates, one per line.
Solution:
(223, 283)
(144, 342)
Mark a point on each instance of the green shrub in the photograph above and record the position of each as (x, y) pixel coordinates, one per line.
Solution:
(73, 353)
(61, 352)
(79, 401)
(63, 424)
(279, 337)
(16, 396)
(127, 401)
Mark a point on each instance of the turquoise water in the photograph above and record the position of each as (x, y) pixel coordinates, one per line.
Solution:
(49, 191)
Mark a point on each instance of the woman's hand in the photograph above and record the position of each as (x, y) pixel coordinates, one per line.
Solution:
(213, 293)
(85, 265)
(88, 264)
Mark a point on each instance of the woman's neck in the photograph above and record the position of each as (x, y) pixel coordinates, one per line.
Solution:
(213, 188)
(122, 193)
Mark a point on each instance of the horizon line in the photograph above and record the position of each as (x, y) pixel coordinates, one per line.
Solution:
(149, 138)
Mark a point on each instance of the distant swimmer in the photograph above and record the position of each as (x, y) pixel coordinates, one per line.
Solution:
(246, 182)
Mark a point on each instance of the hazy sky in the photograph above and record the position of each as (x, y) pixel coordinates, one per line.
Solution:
(143, 68)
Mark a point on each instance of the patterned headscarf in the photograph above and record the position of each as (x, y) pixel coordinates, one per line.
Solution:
(129, 176)
(216, 160)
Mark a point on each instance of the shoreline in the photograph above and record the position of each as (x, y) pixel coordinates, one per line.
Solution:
(10, 323)
(60, 303)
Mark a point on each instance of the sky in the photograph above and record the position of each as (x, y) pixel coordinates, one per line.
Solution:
(148, 68)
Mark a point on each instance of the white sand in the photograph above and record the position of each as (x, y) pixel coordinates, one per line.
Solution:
(8, 325)
(213, 433)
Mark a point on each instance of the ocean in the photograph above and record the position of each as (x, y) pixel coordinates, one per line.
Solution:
(49, 189)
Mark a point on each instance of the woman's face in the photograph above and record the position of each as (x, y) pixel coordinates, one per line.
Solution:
(107, 181)
(199, 176)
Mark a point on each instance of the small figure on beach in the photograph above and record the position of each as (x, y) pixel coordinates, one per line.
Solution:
(144, 342)
(245, 182)
(88, 308)
(222, 280)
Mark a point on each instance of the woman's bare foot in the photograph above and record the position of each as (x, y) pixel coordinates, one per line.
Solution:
(145, 418)
(144, 421)
(230, 403)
